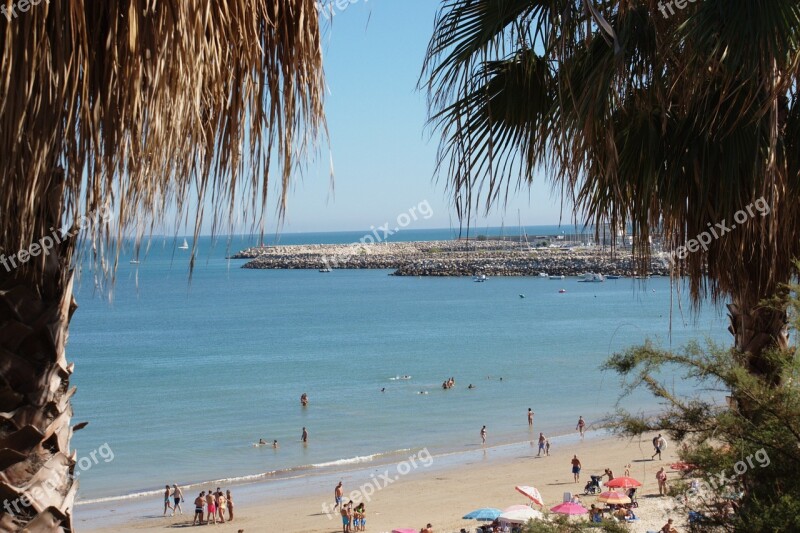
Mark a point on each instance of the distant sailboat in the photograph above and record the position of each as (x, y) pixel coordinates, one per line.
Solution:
(184, 246)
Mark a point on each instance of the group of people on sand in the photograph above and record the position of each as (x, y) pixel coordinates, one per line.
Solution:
(353, 519)
(213, 504)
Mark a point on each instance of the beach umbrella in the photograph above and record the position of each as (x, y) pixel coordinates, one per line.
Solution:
(622, 483)
(569, 508)
(405, 530)
(487, 514)
(520, 514)
(532, 493)
(615, 498)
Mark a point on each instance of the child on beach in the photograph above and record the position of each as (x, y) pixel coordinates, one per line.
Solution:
(166, 501)
(542, 441)
(547, 447)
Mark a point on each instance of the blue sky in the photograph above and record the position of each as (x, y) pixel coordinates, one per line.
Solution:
(383, 155)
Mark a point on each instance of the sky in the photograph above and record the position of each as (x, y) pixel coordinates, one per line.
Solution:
(382, 153)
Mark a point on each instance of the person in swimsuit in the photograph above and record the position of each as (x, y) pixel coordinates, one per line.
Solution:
(483, 434)
(304, 399)
(337, 495)
(211, 507)
(542, 440)
(661, 477)
(608, 473)
(177, 497)
(230, 505)
(345, 519)
(530, 417)
(658, 444)
(166, 500)
(547, 447)
(581, 425)
(576, 468)
(304, 436)
(427, 529)
(221, 505)
(261, 442)
(361, 517)
(275, 444)
(199, 502)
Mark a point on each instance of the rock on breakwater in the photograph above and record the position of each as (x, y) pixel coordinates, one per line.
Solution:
(449, 258)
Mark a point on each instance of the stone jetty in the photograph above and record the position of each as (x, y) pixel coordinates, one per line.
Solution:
(450, 258)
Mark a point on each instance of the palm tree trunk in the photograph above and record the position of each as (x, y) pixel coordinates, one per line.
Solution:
(37, 487)
(758, 330)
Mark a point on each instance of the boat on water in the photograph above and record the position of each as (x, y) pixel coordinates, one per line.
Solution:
(562, 291)
(325, 269)
(480, 279)
(542, 274)
(613, 277)
(592, 278)
(184, 246)
(556, 277)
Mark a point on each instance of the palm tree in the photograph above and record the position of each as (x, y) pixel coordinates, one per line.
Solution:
(670, 121)
(136, 109)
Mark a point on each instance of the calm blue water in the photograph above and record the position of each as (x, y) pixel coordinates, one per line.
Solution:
(181, 378)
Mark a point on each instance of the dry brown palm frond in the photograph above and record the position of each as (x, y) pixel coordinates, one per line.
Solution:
(137, 106)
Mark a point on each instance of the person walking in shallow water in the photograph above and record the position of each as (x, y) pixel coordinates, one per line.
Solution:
(581, 425)
(304, 436)
(177, 497)
(530, 417)
(542, 442)
(166, 501)
(483, 435)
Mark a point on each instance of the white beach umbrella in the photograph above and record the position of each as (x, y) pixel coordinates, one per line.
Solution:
(520, 515)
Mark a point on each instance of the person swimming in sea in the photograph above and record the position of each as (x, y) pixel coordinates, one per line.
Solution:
(304, 399)
(471, 386)
(261, 442)
(275, 444)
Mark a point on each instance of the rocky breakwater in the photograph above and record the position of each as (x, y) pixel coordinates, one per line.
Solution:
(447, 258)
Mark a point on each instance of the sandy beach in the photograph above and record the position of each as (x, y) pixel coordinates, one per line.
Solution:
(438, 489)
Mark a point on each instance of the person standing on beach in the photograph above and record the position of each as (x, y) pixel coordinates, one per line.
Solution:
(166, 501)
(304, 436)
(177, 497)
(483, 435)
(661, 477)
(345, 519)
(542, 441)
(337, 495)
(530, 417)
(221, 505)
(547, 447)
(581, 425)
(199, 502)
(576, 468)
(658, 444)
(230, 505)
(211, 507)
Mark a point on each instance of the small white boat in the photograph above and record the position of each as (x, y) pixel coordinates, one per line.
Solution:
(543, 274)
(184, 246)
(556, 277)
(326, 269)
(592, 278)
(480, 279)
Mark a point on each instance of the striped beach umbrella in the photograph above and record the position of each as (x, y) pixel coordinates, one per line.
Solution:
(532, 493)
(614, 498)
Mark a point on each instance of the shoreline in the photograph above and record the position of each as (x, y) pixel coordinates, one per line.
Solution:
(299, 504)
(451, 258)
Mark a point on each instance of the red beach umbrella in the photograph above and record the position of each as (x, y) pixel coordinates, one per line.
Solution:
(622, 483)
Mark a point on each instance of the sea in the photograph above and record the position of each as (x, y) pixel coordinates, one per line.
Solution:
(180, 375)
